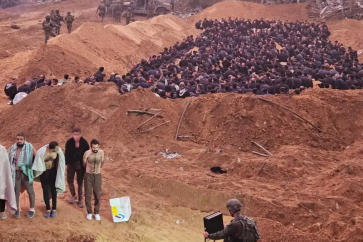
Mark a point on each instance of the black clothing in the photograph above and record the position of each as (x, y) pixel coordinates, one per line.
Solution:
(25, 88)
(183, 93)
(10, 90)
(47, 179)
(99, 76)
(2, 205)
(72, 155)
(74, 162)
(41, 84)
(71, 171)
(307, 82)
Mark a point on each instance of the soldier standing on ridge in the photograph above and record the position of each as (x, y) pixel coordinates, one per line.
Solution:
(101, 10)
(48, 28)
(53, 16)
(128, 15)
(69, 20)
(117, 11)
(108, 7)
(150, 10)
(59, 19)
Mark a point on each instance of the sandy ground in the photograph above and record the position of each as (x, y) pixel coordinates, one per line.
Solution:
(310, 189)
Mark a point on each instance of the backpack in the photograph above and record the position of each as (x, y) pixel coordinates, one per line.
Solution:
(102, 7)
(249, 229)
(47, 26)
(69, 18)
(118, 7)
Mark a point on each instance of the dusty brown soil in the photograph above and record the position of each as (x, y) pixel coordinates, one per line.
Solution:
(309, 190)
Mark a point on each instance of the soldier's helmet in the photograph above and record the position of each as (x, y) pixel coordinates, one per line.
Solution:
(47, 17)
(68, 12)
(57, 10)
(234, 205)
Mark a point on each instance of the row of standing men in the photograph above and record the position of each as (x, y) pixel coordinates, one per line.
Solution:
(53, 22)
(116, 10)
(23, 165)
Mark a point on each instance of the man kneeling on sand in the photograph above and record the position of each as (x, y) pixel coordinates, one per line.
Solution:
(49, 166)
(93, 161)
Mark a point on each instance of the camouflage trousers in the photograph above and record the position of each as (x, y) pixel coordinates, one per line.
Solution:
(69, 27)
(150, 15)
(48, 34)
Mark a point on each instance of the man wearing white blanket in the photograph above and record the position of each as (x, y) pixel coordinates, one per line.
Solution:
(7, 192)
(49, 167)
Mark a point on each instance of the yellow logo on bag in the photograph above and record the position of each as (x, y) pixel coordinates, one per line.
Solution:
(114, 211)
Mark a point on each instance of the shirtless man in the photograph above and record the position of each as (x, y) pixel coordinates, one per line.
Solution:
(48, 178)
(93, 160)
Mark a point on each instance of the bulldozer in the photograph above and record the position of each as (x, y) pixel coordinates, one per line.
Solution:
(140, 7)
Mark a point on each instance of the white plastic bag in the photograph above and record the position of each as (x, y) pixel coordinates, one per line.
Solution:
(121, 209)
(18, 97)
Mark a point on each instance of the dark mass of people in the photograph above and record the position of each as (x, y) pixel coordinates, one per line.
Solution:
(264, 57)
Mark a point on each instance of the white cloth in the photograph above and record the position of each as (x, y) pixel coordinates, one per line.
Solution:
(18, 97)
(39, 168)
(7, 191)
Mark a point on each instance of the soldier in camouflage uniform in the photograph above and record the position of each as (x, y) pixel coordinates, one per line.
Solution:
(101, 10)
(48, 26)
(69, 20)
(241, 228)
(58, 20)
(108, 4)
(150, 10)
(128, 15)
(117, 10)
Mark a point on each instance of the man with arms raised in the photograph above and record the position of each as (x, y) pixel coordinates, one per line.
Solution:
(21, 157)
(49, 166)
(75, 149)
(7, 193)
(93, 161)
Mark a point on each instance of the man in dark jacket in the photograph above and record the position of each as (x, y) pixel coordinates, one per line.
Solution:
(25, 88)
(75, 149)
(11, 90)
(100, 75)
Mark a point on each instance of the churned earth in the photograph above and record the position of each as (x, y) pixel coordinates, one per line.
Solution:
(309, 190)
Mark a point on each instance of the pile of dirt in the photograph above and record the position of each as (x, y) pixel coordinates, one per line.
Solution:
(247, 10)
(227, 122)
(236, 120)
(115, 47)
(54, 111)
(308, 190)
(48, 113)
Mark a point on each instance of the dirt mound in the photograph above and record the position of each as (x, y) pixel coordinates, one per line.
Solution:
(308, 190)
(115, 47)
(52, 109)
(241, 9)
(236, 120)
(223, 126)
(57, 109)
(227, 122)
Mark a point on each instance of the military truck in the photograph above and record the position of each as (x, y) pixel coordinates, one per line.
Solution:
(140, 7)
